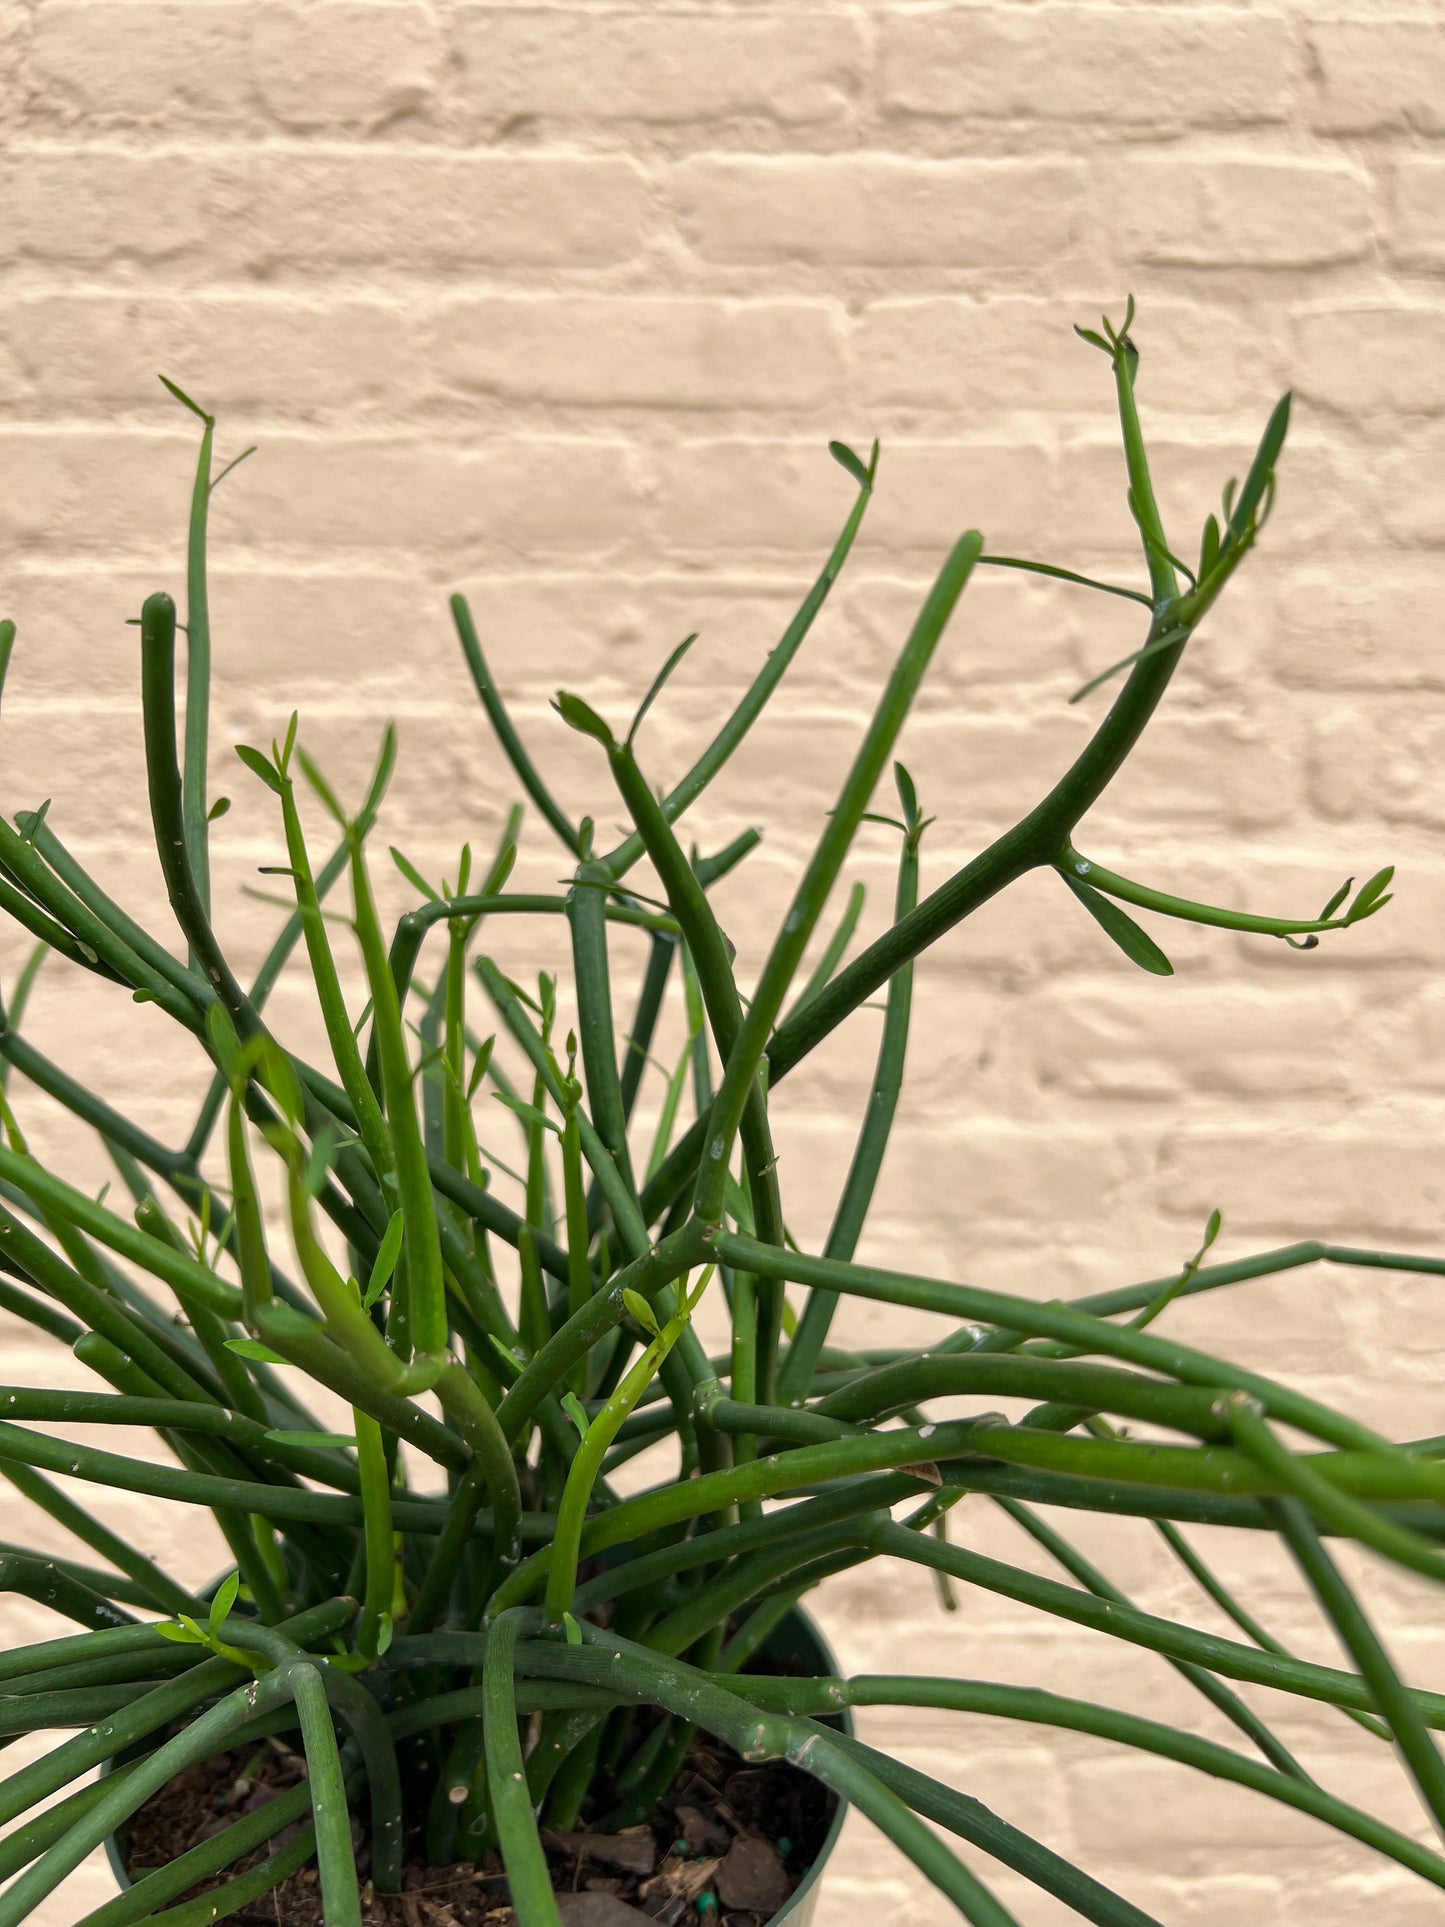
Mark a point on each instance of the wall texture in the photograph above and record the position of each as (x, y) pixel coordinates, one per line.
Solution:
(561, 305)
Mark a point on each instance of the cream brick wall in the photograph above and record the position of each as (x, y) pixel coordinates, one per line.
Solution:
(560, 305)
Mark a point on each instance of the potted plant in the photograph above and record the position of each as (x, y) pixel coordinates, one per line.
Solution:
(456, 1632)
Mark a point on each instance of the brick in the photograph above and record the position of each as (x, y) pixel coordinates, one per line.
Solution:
(1011, 629)
(1177, 775)
(1412, 490)
(1207, 1897)
(637, 350)
(1402, 779)
(69, 620)
(1312, 1317)
(1201, 67)
(1374, 75)
(337, 62)
(443, 211)
(1342, 752)
(15, 19)
(117, 61)
(72, 490)
(984, 772)
(1423, 1062)
(1419, 235)
(1237, 212)
(987, 1174)
(1165, 1822)
(638, 64)
(281, 631)
(1359, 626)
(878, 209)
(78, 754)
(1370, 360)
(746, 494)
(1191, 1037)
(244, 351)
(402, 493)
(88, 206)
(1310, 1183)
(976, 358)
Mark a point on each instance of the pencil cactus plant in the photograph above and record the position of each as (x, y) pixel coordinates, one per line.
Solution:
(512, 1643)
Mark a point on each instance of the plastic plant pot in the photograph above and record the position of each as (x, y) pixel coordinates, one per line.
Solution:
(795, 1646)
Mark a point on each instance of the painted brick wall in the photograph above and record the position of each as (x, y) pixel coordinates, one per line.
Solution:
(560, 305)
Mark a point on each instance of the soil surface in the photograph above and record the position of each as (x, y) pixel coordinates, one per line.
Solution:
(726, 1848)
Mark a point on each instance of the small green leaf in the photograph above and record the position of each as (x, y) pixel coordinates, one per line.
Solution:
(528, 1112)
(518, 991)
(414, 876)
(1137, 945)
(260, 765)
(573, 1407)
(582, 717)
(380, 781)
(1166, 640)
(322, 788)
(222, 1603)
(1261, 469)
(222, 1033)
(253, 1348)
(387, 1253)
(907, 794)
(235, 462)
(641, 1311)
(338, 1441)
(385, 1632)
(1094, 340)
(278, 1074)
(180, 1635)
(654, 691)
(846, 458)
(1371, 894)
(479, 1067)
(1177, 1284)
(1336, 900)
(185, 400)
(1209, 547)
(218, 809)
(572, 1630)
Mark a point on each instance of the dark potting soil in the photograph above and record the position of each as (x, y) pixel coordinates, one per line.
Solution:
(726, 1848)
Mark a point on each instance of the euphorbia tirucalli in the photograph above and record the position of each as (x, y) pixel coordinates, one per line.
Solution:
(502, 1642)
